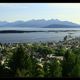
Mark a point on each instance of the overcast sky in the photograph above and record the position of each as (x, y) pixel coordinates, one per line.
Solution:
(27, 11)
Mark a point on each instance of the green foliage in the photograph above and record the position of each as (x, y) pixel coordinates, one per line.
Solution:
(60, 51)
(22, 62)
(55, 68)
(76, 51)
(44, 51)
(22, 73)
(68, 63)
(46, 69)
(76, 69)
(17, 59)
(39, 72)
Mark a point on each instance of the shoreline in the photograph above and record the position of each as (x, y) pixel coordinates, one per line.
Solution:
(22, 31)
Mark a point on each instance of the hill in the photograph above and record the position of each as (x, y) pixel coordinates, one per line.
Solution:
(40, 24)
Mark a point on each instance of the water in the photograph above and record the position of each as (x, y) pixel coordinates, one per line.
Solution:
(36, 29)
(36, 36)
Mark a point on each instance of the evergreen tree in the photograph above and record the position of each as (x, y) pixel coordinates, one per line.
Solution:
(44, 51)
(76, 69)
(55, 69)
(68, 63)
(46, 69)
(60, 51)
(17, 59)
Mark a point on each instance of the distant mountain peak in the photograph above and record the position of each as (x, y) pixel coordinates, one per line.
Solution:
(38, 23)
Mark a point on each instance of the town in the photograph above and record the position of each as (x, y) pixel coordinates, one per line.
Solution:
(50, 59)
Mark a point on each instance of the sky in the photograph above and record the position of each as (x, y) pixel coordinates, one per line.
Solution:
(26, 11)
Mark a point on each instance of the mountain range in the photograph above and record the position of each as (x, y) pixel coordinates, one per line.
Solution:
(41, 23)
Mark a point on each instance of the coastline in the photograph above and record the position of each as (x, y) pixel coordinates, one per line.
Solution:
(23, 31)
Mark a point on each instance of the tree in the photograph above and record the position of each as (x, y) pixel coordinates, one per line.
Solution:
(55, 68)
(44, 51)
(46, 69)
(68, 63)
(76, 50)
(21, 73)
(17, 59)
(76, 70)
(39, 72)
(65, 38)
(60, 51)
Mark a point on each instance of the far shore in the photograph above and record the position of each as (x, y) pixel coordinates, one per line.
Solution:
(23, 31)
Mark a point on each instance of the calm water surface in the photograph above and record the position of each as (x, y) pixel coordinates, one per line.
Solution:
(36, 36)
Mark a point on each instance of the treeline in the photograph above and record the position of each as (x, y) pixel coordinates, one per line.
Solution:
(39, 60)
